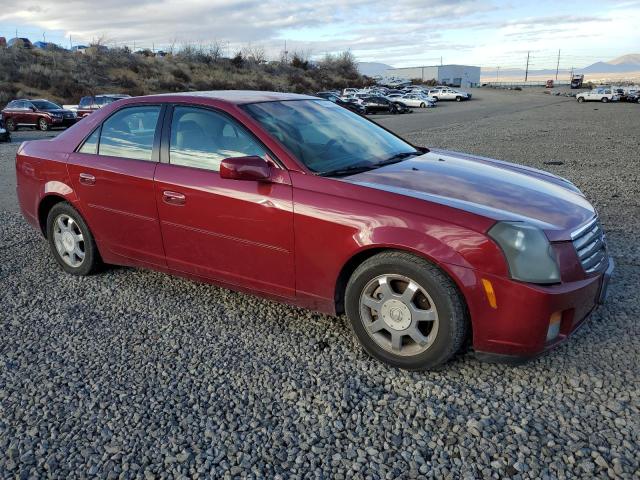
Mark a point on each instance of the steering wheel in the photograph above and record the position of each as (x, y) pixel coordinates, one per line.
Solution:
(328, 146)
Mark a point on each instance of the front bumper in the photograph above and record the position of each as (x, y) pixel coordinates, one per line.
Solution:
(63, 122)
(517, 329)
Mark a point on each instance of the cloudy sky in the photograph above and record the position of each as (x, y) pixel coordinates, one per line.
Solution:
(399, 32)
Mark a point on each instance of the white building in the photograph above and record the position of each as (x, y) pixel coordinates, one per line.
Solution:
(454, 75)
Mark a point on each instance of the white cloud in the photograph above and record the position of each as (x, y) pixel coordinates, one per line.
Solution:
(400, 32)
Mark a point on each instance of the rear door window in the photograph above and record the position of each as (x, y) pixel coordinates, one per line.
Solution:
(90, 145)
(129, 133)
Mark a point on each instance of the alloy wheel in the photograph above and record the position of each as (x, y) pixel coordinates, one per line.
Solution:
(399, 315)
(11, 125)
(68, 240)
(43, 125)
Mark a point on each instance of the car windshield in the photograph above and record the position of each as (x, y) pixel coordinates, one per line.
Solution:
(329, 139)
(45, 105)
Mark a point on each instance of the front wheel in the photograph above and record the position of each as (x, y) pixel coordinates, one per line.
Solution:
(71, 241)
(458, 99)
(580, 99)
(422, 105)
(405, 311)
(11, 125)
(43, 125)
(604, 100)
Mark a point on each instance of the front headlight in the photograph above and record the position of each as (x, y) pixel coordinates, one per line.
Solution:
(527, 251)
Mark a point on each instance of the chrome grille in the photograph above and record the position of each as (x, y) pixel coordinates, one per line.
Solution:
(589, 242)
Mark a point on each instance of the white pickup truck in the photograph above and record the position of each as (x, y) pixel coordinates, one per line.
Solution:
(600, 94)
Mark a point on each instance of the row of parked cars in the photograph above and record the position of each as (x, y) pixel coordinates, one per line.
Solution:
(45, 114)
(387, 100)
(606, 94)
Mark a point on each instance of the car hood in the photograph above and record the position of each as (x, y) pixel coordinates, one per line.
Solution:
(487, 187)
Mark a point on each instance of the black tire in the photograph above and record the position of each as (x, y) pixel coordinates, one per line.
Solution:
(580, 99)
(92, 261)
(422, 105)
(458, 99)
(43, 125)
(435, 98)
(11, 124)
(604, 100)
(451, 310)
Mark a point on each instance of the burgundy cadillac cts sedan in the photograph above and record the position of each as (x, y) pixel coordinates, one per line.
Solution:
(298, 199)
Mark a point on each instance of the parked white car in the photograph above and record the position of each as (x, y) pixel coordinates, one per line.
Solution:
(447, 93)
(601, 94)
(415, 100)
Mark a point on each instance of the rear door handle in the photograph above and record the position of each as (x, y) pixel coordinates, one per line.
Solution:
(87, 179)
(173, 198)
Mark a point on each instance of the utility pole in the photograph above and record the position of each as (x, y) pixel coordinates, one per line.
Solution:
(526, 72)
(497, 73)
(441, 61)
(70, 43)
(558, 65)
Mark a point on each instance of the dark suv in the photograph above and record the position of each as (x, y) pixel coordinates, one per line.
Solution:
(42, 114)
(92, 103)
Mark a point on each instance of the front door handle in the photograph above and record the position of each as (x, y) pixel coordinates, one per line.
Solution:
(87, 179)
(173, 198)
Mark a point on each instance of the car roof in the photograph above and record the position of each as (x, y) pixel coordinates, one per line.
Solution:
(235, 96)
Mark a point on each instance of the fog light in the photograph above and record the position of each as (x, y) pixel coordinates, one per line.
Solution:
(554, 325)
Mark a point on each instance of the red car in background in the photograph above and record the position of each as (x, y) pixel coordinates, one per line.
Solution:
(40, 113)
(92, 103)
(300, 200)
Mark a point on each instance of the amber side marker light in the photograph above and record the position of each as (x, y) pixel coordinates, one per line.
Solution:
(491, 294)
(554, 325)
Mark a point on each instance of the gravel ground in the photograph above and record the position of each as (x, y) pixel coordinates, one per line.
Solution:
(135, 374)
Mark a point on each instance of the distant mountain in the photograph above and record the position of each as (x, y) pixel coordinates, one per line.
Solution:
(372, 69)
(623, 64)
(633, 58)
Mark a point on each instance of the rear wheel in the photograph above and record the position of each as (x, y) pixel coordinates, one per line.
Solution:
(405, 311)
(11, 124)
(580, 99)
(435, 98)
(71, 241)
(604, 100)
(43, 125)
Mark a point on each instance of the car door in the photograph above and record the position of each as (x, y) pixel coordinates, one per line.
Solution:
(28, 114)
(239, 232)
(112, 173)
(19, 112)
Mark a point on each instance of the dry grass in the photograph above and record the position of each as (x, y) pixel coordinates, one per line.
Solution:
(64, 76)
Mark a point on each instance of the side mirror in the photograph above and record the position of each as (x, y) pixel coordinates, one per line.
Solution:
(33, 109)
(245, 168)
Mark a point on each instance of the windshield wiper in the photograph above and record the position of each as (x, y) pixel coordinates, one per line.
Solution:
(341, 172)
(398, 157)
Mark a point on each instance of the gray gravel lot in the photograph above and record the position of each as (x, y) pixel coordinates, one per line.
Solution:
(136, 374)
